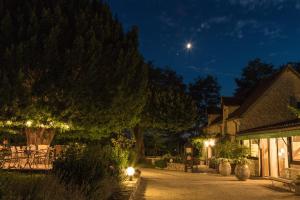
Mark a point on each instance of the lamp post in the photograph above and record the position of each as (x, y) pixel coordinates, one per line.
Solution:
(189, 157)
(208, 144)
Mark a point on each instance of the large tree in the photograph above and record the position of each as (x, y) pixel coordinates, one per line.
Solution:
(68, 64)
(168, 108)
(252, 73)
(205, 91)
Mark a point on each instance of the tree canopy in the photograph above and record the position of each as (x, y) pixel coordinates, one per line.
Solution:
(252, 73)
(168, 106)
(168, 109)
(69, 62)
(205, 91)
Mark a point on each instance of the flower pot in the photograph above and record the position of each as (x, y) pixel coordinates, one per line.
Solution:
(242, 172)
(225, 168)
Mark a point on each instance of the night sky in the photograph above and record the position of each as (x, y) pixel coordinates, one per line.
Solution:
(225, 34)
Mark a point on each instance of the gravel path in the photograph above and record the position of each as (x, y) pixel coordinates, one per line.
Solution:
(170, 185)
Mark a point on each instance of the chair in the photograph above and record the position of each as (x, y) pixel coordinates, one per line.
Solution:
(22, 156)
(42, 155)
(29, 153)
(5, 157)
(14, 160)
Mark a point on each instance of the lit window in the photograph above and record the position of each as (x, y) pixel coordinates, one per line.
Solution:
(246, 143)
(296, 148)
(254, 148)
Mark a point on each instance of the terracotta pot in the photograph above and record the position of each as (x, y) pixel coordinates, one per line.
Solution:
(225, 168)
(242, 172)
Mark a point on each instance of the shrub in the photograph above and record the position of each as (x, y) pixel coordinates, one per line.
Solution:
(35, 187)
(96, 170)
(241, 161)
(230, 150)
(167, 157)
(214, 163)
(160, 163)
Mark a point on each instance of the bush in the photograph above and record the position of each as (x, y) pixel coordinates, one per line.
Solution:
(214, 163)
(35, 187)
(160, 163)
(95, 170)
(230, 150)
(81, 173)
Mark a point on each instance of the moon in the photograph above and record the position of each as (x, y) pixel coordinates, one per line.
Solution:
(189, 46)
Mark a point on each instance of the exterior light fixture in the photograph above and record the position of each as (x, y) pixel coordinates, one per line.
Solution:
(29, 123)
(130, 172)
(281, 152)
(212, 142)
(209, 143)
(206, 143)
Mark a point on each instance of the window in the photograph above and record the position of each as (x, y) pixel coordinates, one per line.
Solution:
(296, 148)
(254, 148)
(246, 143)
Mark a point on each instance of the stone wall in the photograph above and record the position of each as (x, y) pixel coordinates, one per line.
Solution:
(175, 166)
(254, 167)
(291, 173)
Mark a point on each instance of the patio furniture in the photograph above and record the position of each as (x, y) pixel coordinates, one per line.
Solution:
(29, 152)
(22, 157)
(14, 159)
(42, 156)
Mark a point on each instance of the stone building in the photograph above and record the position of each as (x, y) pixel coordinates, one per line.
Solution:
(265, 123)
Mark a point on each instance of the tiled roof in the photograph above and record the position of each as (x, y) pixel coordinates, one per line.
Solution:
(214, 110)
(277, 126)
(258, 91)
(217, 120)
(230, 101)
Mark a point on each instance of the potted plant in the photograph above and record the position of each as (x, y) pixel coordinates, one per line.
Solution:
(224, 167)
(242, 170)
(297, 185)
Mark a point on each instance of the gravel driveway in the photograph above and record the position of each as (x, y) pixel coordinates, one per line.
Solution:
(170, 185)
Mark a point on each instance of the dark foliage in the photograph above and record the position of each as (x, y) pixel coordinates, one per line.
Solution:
(205, 91)
(255, 71)
(69, 61)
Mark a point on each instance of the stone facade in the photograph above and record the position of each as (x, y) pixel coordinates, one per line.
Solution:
(265, 123)
(270, 107)
(254, 167)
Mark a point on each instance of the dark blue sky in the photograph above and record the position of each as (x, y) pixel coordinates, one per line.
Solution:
(225, 34)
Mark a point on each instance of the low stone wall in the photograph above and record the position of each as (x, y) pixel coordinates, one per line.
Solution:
(254, 167)
(175, 166)
(291, 173)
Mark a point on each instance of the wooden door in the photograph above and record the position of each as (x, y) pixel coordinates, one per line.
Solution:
(265, 162)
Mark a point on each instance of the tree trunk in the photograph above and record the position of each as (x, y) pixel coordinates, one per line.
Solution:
(39, 136)
(139, 143)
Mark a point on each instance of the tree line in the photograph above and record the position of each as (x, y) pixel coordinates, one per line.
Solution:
(69, 64)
